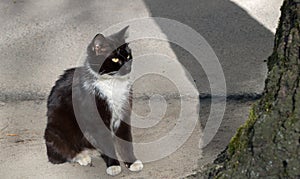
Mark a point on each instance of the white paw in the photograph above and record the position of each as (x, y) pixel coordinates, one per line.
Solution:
(136, 166)
(113, 170)
(83, 159)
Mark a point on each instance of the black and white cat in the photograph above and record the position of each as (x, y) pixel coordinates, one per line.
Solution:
(102, 83)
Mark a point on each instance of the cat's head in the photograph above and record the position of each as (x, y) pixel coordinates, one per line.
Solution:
(110, 55)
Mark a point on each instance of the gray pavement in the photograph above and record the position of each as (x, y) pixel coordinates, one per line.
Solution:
(40, 39)
(23, 151)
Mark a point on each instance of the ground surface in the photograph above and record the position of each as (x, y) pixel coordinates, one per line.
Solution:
(24, 155)
(38, 40)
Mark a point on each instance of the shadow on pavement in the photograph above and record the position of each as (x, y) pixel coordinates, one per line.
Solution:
(239, 41)
(241, 44)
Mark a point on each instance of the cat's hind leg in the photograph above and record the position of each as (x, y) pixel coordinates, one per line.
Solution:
(83, 158)
(58, 150)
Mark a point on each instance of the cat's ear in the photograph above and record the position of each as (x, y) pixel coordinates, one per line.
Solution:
(121, 35)
(99, 44)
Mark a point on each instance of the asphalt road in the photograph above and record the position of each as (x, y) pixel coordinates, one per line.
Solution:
(40, 39)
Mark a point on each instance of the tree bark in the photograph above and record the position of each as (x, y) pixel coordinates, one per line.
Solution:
(268, 144)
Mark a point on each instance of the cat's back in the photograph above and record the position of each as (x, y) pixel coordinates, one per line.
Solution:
(61, 93)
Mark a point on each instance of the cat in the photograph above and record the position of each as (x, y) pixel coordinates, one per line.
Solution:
(102, 83)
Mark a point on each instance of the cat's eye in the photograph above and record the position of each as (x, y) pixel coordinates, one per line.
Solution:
(128, 57)
(116, 60)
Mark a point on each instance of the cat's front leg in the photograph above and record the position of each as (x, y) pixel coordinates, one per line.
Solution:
(125, 148)
(113, 165)
(108, 154)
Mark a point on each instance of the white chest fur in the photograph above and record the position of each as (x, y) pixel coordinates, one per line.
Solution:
(116, 92)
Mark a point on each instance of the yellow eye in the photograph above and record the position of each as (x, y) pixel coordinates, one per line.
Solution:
(116, 60)
(128, 57)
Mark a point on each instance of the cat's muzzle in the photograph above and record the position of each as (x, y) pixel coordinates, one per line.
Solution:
(125, 69)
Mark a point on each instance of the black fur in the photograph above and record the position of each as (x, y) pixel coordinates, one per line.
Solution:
(64, 138)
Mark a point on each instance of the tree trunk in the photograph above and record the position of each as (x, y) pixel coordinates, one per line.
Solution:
(268, 144)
